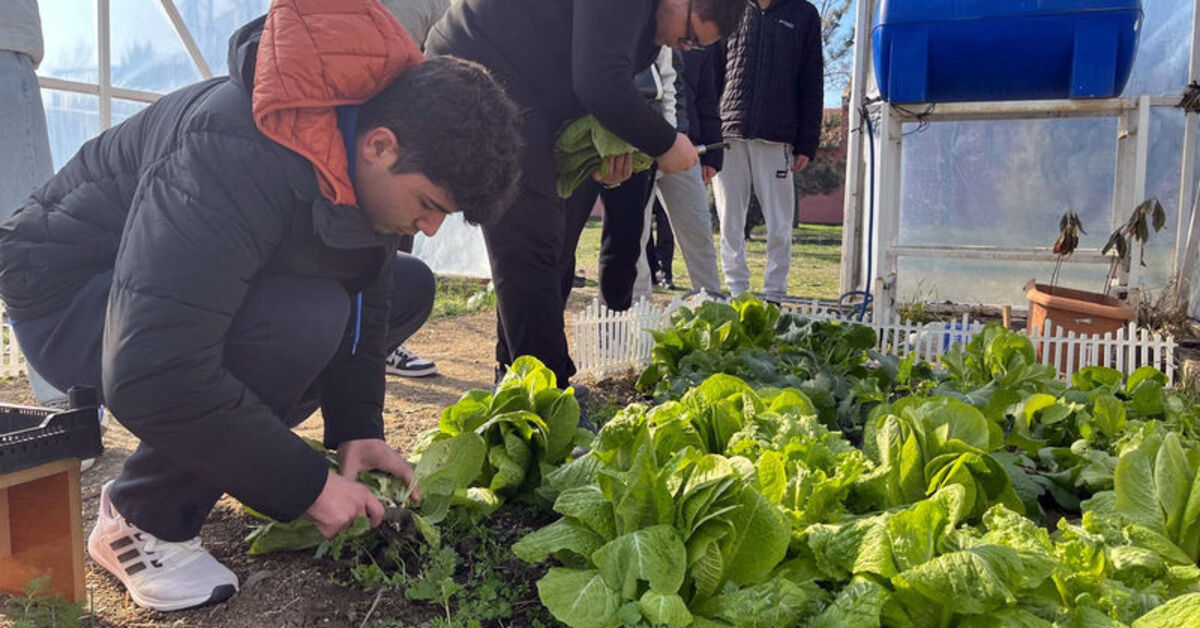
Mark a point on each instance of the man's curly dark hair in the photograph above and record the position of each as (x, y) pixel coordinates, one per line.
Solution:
(455, 125)
(727, 14)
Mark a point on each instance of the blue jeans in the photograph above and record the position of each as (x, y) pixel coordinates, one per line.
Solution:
(25, 162)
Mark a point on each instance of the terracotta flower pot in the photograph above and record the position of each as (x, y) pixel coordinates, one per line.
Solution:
(1085, 313)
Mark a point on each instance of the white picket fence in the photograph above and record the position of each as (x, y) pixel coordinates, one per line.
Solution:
(604, 342)
(12, 363)
(1126, 350)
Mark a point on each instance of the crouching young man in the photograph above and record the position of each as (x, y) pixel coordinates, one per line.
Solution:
(224, 263)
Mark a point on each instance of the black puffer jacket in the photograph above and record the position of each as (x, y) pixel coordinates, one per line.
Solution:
(187, 202)
(774, 76)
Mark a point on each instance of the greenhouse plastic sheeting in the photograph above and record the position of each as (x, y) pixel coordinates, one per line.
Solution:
(146, 54)
(458, 249)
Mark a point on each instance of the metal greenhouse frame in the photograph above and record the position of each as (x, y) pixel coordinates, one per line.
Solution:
(871, 249)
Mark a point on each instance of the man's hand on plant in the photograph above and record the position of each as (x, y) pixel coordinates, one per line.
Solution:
(800, 163)
(373, 454)
(340, 503)
(618, 167)
(708, 172)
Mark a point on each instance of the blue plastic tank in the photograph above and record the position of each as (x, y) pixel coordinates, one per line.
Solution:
(980, 50)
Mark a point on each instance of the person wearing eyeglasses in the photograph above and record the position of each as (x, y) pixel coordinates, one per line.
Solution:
(559, 60)
(771, 112)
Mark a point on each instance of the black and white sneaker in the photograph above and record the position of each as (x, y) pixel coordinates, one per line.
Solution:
(159, 575)
(405, 363)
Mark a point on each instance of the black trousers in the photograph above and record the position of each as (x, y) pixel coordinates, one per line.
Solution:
(532, 254)
(621, 236)
(660, 248)
(281, 339)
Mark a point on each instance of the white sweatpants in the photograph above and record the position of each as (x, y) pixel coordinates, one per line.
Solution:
(765, 168)
(685, 199)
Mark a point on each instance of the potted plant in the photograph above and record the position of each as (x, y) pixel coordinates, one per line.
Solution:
(1081, 311)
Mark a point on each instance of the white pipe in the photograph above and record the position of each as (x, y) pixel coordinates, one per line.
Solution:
(104, 56)
(852, 208)
(188, 41)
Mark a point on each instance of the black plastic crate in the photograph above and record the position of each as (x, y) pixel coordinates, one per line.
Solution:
(30, 436)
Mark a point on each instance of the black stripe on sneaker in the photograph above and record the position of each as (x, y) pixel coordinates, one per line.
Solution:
(127, 556)
(136, 567)
(120, 543)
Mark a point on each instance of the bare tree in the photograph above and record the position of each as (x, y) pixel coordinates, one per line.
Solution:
(837, 38)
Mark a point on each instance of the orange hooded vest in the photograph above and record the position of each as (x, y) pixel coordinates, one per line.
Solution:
(315, 55)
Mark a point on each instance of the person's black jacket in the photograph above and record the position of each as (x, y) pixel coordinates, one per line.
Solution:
(561, 59)
(774, 76)
(187, 202)
(702, 100)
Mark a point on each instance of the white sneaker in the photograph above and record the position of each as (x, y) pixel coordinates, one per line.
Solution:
(405, 363)
(159, 575)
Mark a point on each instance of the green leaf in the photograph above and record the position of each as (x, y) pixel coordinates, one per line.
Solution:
(771, 604)
(1089, 617)
(1005, 618)
(1093, 377)
(915, 533)
(664, 609)
(579, 598)
(1136, 499)
(447, 466)
(1189, 537)
(333, 547)
(874, 552)
(643, 499)
(467, 414)
(630, 614)
(791, 401)
(510, 460)
(1172, 483)
(589, 505)
(1032, 405)
(655, 555)
(772, 477)
(857, 605)
(760, 539)
(1180, 612)
(427, 530)
(705, 562)
(974, 581)
(276, 536)
(562, 417)
(1108, 415)
(564, 534)
(1153, 540)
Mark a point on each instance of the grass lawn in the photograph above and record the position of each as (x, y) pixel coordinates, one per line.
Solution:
(816, 259)
(456, 296)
